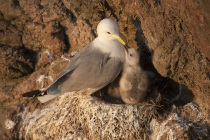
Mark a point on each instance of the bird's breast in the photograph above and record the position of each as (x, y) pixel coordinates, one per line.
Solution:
(112, 47)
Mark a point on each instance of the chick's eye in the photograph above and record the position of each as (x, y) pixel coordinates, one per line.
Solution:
(108, 33)
(131, 55)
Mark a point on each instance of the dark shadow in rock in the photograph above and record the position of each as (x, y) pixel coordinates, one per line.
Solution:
(16, 70)
(28, 68)
(33, 55)
(165, 93)
(186, 96)
(157, 2)
(58, 34)
(66, 39)
(145, 53)
(168, 89)
(92, 31)
(71, 15)
(16, 3)
(18, 61)
(197, 131)
(109, 8)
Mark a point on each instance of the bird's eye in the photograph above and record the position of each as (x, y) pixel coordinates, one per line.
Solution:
(108, 33)
(131, 55)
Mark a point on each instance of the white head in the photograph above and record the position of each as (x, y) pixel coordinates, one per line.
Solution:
(108, 30)
(132, 57)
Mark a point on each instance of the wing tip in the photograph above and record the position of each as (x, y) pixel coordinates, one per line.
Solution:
(32, 93)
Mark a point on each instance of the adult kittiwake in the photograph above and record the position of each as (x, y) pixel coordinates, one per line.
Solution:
(91, 69)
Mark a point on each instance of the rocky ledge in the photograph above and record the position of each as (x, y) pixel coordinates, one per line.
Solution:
(173, 37)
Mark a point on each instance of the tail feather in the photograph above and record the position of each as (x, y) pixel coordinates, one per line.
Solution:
(46, 98)
(33, 93)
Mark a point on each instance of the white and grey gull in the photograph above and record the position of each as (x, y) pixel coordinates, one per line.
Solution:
(94, 67)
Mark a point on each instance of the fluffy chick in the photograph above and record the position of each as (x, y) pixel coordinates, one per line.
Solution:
(133, 83)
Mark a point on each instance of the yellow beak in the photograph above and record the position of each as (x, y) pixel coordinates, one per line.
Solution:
(120, 40)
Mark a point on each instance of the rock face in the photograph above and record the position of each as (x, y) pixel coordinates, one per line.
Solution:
(16, 62)
(179, 36)
(36, 36)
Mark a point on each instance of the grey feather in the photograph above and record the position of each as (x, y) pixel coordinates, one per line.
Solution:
(90, 68)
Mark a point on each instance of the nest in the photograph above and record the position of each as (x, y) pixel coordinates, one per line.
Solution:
(75, 115)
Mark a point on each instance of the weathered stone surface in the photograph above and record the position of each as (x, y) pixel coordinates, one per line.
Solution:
(8, 14)
(173, 37)
(177, 32)
(9, 34)
(78, 33)
(15, 62)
